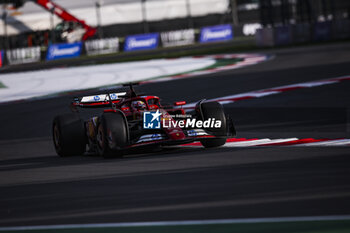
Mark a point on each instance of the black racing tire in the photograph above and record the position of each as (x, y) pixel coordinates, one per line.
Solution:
(214, 110)
(68, 135)
(112, 134)
(213, 142)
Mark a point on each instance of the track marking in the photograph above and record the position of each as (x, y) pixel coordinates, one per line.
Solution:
(340, 142)
(272, 91)
(182, 223)
(249, 59)
(243, 142)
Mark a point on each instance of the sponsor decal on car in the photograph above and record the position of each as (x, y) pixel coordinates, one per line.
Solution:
(192, 133)
(151, 137)
(102, 97)
(113, 96)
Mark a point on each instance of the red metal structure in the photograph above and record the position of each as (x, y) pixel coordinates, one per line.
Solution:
(66, 16)
(59, 11)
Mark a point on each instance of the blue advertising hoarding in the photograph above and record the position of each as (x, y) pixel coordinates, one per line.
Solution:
(59, 51)
(322, 31)
(216, 33)
(283, 35)
(141, 42)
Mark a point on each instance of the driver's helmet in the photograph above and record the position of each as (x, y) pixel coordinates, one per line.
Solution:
(139, 105)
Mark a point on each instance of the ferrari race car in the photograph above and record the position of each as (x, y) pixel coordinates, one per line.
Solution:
(131, 121)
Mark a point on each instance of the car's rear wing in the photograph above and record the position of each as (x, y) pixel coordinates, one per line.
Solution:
(100, 100)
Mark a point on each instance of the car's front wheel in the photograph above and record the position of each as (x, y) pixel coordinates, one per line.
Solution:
(215, 111)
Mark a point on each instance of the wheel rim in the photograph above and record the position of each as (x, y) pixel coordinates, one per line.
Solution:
(56, 137)
(100, 138)
(110, 142)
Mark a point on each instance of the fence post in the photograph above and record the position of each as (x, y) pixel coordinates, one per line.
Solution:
(5, 42)
(189, 17)
(234, 12)
(98, 17)
(144, 16)
(52, 10)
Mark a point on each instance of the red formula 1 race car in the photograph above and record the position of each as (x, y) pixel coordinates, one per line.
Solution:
(131, 121)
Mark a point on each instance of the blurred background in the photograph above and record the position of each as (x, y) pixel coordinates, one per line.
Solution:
(29, 27)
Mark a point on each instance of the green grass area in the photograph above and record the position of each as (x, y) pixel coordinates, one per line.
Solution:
(339, 226)
(2, 85)
(218, 63)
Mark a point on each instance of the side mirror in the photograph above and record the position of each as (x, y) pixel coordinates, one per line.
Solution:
(179, 103)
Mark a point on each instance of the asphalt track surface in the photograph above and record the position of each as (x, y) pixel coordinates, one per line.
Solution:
(37, 187)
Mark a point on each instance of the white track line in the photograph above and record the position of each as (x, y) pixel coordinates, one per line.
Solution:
(248, 143)
(260, 142)
(276, 142)
(341, 142)
(182, 223)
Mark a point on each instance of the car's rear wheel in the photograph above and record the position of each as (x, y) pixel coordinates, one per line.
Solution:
(215, 111)
(68, 135)
(112, 135)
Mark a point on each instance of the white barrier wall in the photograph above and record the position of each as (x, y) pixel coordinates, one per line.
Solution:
(23, 55)
(102, 46)
(177, 38)
(116, 13)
